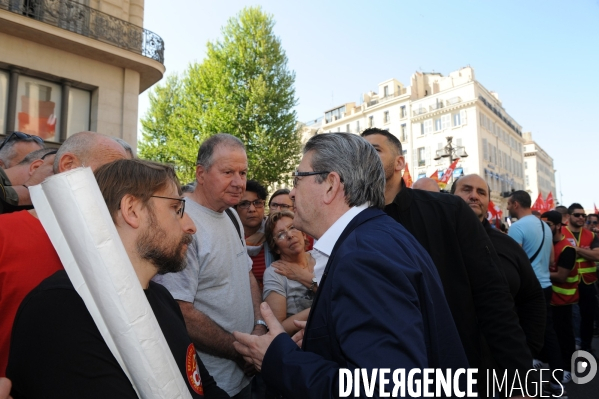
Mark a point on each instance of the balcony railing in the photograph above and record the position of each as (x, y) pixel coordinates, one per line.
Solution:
(420, 111)
(87, 21)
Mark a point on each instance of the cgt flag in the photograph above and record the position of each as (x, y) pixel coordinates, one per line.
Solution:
(407, 178)
(596, 210)
(539, 204)
(449, 172)
(435, 176)
(549, 205)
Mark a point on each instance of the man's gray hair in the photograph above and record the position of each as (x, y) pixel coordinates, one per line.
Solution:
(8, 153)
(81, 145)
(125, 145)
(35, 155)
(206, 151)
(356, 162)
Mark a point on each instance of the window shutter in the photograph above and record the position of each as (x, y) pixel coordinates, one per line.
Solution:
(463, 117)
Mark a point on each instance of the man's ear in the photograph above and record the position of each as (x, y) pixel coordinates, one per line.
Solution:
(400, 163)
(34, 165)
(130, 210)
(200, 170)
(333, 186)
(68, 161)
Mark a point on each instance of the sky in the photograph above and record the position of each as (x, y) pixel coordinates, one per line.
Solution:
(540, 56)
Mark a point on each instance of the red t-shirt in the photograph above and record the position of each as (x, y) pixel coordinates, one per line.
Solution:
(27, 257)
(259, 265)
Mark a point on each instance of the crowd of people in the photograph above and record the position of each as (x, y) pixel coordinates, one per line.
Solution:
(265, 296)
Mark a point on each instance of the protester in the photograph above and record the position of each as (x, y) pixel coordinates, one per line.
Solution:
(217, 292)
(564, 212)
(145, 203)
(126, 146)
(20, 173)
(586, 244)
(251, 214)
(16, 146)
(426, 184)
(564, 279)
(536, 239)
(380, 301)
(517, 270)
(280, 201)
(592, 223)
(24, 242)
(289, 285)
(476, 292)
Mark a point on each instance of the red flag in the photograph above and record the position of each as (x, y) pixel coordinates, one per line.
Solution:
(406, 176)
(435, 176)
(549, 205)
(491, 211)
(596, 210)
(449, 172)
(539, 204)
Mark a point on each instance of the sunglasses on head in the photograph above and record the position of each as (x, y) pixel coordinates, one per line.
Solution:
(21, 136)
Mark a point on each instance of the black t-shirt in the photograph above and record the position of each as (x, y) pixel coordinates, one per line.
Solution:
(567, 258)
(57, 351)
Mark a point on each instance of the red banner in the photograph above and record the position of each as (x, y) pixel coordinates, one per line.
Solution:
(449, 172)
(407, 178)
(539, 204)
(435, 176)
(549, 205)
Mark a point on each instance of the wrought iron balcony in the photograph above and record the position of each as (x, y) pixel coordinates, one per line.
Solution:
(87, 21)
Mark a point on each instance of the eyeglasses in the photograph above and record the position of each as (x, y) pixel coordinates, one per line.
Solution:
(48, 154)
(246, 204)
(283, 234)
(181, 210)
(297, 174)
(579, 215)
(285, 207)
(21, 136)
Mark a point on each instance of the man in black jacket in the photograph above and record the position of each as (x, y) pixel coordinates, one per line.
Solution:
(522, 281)
(476, 291)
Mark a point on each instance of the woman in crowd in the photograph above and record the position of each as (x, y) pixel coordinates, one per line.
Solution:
(288, 283)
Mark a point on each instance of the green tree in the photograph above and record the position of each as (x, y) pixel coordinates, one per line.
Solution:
(243, 87)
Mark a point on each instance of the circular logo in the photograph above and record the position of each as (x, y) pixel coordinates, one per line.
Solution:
(193, 372)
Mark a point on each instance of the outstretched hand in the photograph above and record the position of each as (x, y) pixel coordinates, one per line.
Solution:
(253, 347)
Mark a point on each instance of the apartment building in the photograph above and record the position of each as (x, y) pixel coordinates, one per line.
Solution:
(539, 175)
(433, 107)
(73, 65)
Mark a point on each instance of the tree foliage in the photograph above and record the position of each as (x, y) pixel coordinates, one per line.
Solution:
(243, 87)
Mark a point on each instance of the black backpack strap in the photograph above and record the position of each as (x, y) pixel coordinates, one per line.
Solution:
(540, 246)
(229, 213)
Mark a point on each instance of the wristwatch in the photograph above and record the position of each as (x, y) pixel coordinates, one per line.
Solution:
(261, 323)
(314, 286)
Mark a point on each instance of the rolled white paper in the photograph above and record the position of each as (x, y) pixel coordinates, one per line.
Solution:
(74, 214)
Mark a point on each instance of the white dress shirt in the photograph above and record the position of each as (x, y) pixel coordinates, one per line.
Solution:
(325, 244)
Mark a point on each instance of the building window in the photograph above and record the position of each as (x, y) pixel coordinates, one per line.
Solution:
(3, 100)
(43, 108)
(446, 121)
(334, 114)
(386, 91)
(402, 111)
(426, 127)
(38, 108)
(357, 126)
(438, 125)
(386, 116)
(339, 129)
(371, 121)
(347, 128)
(525, 165)
(456, 119)
(421, 157)
(403, 133)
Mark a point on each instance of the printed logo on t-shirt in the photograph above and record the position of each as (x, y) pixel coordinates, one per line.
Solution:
(193, 371)
(572, 241)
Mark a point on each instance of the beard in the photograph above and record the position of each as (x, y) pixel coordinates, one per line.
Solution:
(154, 246)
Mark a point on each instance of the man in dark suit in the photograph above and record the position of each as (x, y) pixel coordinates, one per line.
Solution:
(380, 303)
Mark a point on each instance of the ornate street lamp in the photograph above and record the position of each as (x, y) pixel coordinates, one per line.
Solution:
(452, 152)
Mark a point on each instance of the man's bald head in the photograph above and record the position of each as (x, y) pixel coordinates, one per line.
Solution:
(426, 184)
(475, 191)
(87, 149)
